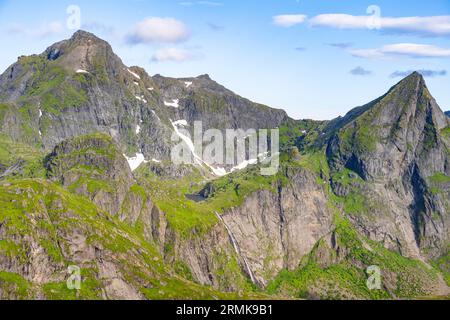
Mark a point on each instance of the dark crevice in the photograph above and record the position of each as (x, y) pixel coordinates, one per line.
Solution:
(282, 223)
(417, 208)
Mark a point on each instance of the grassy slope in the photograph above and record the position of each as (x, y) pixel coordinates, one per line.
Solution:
(46, 213)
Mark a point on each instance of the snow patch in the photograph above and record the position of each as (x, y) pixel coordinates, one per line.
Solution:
(82, 71)
(138, 129)
(174, 104)
(40, 113)
(150, 89)
(136, 83)
(244, 165)
(141, 98)
(156, 161)
(183, 123)
(188, 142)
(135, 162)
(220, 172)
(134, 74)
(188, 84)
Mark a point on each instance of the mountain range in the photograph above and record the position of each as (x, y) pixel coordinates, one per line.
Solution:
(86, 180)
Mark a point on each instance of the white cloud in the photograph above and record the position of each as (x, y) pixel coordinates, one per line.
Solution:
(289, 20)
(159, 30)
(431, 25)
(172, 54)
(411, 50)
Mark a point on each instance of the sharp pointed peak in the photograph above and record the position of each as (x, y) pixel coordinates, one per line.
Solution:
(415, 76)
(412, 82)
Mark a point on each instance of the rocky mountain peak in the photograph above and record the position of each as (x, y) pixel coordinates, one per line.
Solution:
(84, 35)
(401, 125)
(204, 77)
(80, 51)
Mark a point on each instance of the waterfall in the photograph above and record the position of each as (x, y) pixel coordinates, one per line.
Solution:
(236, 248)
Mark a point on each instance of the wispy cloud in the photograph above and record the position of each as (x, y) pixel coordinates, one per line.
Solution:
(424, 72)
(98, 27)
(411, 50)
(157, 29)
(427, 26)
(201, 3)
(360, 71)
(45, 30)
(215, 27)
(288, 20)
(341, 45)
(172, 54)
(300, 48)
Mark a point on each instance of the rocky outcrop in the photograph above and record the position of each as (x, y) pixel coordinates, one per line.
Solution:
(397, 147)
(274, 230)
(203, 99)
(50, 229)
(92, 166)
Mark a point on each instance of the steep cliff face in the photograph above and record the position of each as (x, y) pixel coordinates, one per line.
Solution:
(399, 147)
(92, 166)
(274, 229)
(44, 230)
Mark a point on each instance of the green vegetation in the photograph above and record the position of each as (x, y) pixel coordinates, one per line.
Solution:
(328, 274)
(15, 286)
(439, 178)
(189, 217)
(139, 261)
(430, 138)
(439, 183)
(356, 200)
(27, 160)
(358, 137)
(316, 162)
(87, 162)
(185, 216)
(446, 133)
(443, 265)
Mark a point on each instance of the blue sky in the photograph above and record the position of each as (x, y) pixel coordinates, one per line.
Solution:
(314, 58)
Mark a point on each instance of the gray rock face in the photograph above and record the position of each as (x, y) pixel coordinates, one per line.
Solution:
(79, 86)
(397, 147)
(202, 99)
(92, 166)
(274, 230)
